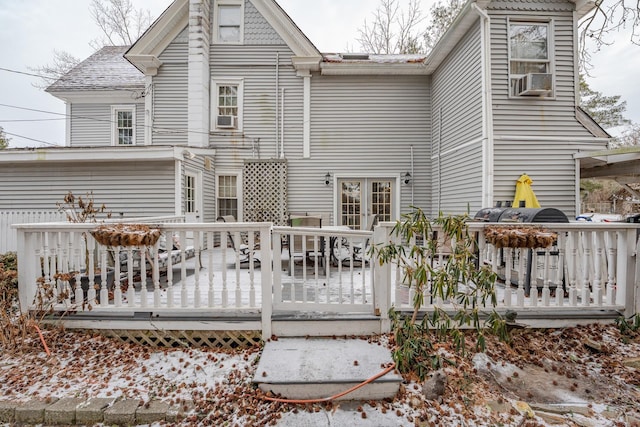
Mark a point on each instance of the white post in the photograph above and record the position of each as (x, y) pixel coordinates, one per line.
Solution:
(587, 242)
(522, 253)
(599, 255)
(266, 279)
(626, 268)
(27, 269)
(562, 245)
(507, 277)
(546, 278)
(381, 283)
(611, 268)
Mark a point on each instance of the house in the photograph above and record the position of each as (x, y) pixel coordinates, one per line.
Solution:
(224, 107)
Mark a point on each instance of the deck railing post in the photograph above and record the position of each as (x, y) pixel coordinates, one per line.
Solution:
(381, 282)
(27, 273)
(626, 268)
(266, 279)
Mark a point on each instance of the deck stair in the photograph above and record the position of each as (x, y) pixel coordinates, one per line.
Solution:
(316, 368)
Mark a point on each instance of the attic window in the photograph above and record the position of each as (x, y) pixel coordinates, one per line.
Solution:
(228, 21)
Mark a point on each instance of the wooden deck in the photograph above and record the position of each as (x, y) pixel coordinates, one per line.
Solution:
(590, 274)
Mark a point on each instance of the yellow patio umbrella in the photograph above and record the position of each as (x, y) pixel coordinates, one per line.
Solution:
(525, 192)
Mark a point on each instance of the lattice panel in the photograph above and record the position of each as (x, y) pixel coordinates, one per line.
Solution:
(265, 191)
(175, 339)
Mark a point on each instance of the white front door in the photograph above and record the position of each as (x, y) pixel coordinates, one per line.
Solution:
(359, 198)
(192, 197)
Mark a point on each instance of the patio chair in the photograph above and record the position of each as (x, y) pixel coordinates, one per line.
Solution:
(312, 249)
(360, 249)
(240, 247)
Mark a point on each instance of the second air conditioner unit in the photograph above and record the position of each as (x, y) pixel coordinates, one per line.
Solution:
(535, 84)
(226, 122)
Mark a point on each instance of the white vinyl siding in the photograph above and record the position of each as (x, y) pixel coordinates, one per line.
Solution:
(457, 116)
(92, 124)
(538, 136)
(254, 67)
(133, 188)
(170, 95)
(363, 127)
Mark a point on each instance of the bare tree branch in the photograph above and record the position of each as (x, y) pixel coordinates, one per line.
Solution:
(392, 30)
(120, 24)
(62, 62)
(603, 22)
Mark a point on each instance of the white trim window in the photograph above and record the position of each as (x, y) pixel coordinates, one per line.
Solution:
(228, 202)
(228, 21)
(123, 131)
(530, 58)
(226, 108)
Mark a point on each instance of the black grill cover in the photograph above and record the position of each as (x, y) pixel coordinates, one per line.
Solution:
(489, 214)
(534, 215)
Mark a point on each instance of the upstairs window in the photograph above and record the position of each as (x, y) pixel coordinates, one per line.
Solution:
(124, 120)
(228, 21)
(530, 71)
(226, 105)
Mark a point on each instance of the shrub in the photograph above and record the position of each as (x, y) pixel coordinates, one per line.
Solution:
(456, 278)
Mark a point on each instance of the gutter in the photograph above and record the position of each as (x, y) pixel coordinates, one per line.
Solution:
(103, 154)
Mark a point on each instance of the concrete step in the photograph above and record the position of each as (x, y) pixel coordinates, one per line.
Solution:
(316, 368)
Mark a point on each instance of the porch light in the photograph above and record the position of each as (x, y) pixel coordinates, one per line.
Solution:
(407, 178)
(327, 179)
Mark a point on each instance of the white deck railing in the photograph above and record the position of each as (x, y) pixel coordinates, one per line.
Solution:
(233, 269)
(591, 265)
(335, 277)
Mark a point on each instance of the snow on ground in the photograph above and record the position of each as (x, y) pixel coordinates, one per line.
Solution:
(538, 365)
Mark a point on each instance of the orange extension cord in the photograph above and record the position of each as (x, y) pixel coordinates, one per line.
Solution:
(44, 343)
(335, 396)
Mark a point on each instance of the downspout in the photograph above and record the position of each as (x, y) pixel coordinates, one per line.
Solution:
(487, 108)
(276, 103)
(439, 159)
(413, 176)
(282, 124)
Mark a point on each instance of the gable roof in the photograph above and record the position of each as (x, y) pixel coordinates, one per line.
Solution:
(144, 52)
(104, 70)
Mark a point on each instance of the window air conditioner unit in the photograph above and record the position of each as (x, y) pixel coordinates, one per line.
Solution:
(535, 84)
(226, 122)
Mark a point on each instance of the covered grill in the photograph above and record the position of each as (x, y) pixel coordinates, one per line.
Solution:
(524, 215)
(521, 215)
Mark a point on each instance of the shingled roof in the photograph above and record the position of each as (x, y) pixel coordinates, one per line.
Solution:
(107, 69)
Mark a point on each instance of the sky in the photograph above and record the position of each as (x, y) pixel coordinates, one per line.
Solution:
(30, 31)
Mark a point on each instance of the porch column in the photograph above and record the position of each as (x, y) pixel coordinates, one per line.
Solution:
(198, 73)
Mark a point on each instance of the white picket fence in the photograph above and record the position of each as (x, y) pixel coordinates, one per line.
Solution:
(8, 236)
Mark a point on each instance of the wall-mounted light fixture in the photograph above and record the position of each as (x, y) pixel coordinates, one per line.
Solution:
(327, 179)
(407, 178)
